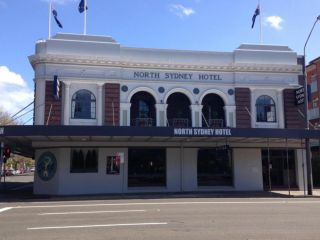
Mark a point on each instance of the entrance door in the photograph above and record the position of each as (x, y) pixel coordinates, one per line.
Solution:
(276, 172)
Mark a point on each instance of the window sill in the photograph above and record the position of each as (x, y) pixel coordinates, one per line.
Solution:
(90, 122)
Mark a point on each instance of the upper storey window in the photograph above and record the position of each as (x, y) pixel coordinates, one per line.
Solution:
(83, 105)
(266, 109)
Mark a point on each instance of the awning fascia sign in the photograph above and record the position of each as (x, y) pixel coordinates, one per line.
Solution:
(27, 131)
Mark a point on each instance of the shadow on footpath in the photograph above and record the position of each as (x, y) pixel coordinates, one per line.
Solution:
(23, 192)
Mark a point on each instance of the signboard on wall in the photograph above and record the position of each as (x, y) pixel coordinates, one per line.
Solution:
(299, 96)
(113, 165)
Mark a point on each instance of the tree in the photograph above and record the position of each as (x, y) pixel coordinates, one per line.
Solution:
(6, 119)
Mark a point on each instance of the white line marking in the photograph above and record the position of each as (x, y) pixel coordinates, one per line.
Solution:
(95, 226)
(91, 212)
(167, 203)
(5, 209)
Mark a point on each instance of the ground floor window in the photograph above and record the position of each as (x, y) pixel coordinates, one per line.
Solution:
(215, 167)
(278, 168)
(84, 161)
(146, 167)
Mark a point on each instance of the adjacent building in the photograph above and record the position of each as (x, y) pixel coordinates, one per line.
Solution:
(313, 79)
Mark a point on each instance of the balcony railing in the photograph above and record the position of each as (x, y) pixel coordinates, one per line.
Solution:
(142, 122)
(216, 123)
(179, 122)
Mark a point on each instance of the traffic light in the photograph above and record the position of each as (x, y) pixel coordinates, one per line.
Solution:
(7, 152)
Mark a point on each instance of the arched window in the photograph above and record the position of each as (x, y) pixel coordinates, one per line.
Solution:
(83, 105)
(142, 111)
(266, 109)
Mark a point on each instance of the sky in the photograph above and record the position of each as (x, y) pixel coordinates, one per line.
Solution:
(210, 25)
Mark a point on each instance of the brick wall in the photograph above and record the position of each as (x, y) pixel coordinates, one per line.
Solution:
(112, 104)
(242, 98)
(292, 112)
(55, 115)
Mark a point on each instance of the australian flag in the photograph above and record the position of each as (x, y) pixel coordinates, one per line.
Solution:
(55, 15)
(256, 13)
(81, 6)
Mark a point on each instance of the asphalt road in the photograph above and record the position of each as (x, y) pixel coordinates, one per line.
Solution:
(174, 218)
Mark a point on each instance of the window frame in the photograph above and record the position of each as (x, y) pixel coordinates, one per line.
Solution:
(264, 118)
(85, 160)
(93, 105)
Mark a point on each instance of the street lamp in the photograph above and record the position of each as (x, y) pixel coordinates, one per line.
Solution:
(308, 159)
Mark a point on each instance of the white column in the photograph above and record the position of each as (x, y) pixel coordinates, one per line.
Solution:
(99, 106)
(67, 104)
(125, 114)
(196, 115)
(280, 109)
(161, 110)
(230, 115)
(39, 111)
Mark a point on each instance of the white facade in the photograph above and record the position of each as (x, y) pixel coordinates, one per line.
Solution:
(90, 62)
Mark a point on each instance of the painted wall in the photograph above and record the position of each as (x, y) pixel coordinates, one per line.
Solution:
(247, 169)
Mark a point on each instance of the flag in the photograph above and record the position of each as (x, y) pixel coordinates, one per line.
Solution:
(55, 15)
(256, 13)
(81, 6)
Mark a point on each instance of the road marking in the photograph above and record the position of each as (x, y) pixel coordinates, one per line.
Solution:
(167, 203)
(5, 209)
(91, 212)
(96, 226)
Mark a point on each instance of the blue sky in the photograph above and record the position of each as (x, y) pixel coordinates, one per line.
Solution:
(213, 25)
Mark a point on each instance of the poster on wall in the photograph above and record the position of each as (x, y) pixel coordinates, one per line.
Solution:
(113, 165)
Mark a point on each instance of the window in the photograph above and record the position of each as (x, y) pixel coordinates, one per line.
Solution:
(266, 109)
(143, 109)
(215, 167)
(84, 161)
(146, 167)
(278, 167)
(315, 103)
(83, 105)
(143, 112)
(314, 84)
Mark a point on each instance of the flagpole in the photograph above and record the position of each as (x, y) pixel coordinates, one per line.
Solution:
(85, 18)
(49, 20)
(260, 23)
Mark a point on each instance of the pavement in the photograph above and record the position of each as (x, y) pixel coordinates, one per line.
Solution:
(20, 188)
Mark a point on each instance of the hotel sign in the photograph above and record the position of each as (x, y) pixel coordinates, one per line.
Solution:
(176, 76)
(202, 132)
(299, 96)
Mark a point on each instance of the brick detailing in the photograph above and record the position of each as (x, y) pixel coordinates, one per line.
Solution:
(112, 95)
(242, 98)
(292, 112)
(55, 115)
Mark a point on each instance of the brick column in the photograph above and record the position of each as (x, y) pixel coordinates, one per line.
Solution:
(53, 116)
(112, 104)
(242, 98)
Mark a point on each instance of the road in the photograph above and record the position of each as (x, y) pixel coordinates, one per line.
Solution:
(173, 218)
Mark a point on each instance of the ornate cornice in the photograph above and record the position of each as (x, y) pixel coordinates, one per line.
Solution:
(119, 63)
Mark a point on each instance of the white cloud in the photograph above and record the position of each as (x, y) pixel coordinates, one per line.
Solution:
(15, 94)
(181, 11)
(275, 22)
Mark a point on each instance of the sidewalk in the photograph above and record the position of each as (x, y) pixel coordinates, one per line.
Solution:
(295, 193)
